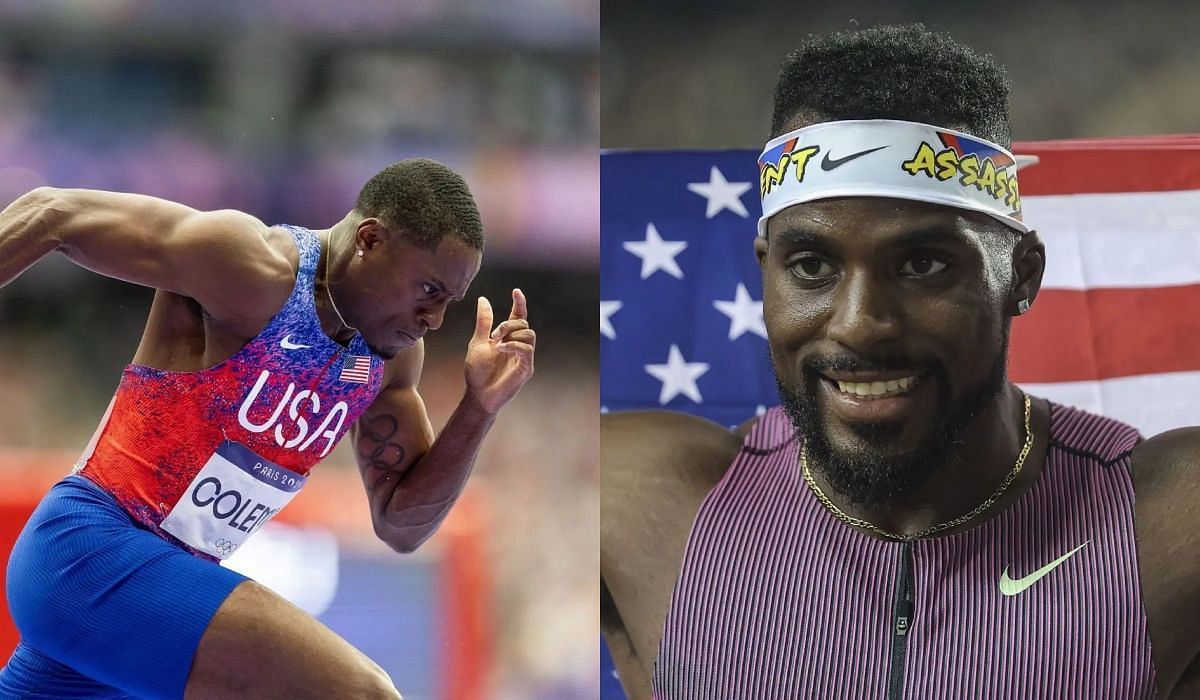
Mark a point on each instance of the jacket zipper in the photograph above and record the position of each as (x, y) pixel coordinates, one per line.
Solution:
(902, 623)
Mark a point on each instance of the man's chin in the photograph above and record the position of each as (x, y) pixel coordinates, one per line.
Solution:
(873, 468)
(891, 440)
(385, 353)
(867, 462)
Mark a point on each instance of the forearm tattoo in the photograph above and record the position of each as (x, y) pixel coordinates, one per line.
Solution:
(377, 451)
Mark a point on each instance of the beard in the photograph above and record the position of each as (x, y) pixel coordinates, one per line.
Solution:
(868, 473)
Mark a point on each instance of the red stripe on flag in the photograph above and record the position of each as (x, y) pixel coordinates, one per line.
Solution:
(1072, 335)
(1152, 164)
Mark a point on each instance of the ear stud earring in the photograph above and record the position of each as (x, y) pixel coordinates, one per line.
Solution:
(1022, 306)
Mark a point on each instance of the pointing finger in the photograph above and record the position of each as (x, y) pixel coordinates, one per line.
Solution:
(483, 319)
(520, 307)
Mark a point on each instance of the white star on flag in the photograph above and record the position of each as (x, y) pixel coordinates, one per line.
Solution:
(607, 309)
(721, 194)
(678, 377)
(657, 254)
(745, 314)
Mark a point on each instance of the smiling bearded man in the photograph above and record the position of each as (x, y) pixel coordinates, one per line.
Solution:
(909, 524)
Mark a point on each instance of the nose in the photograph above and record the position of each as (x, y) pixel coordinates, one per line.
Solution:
(865, 313)
(431, 316)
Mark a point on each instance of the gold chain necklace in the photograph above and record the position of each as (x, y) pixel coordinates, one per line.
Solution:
(859, 522)
(328, 291)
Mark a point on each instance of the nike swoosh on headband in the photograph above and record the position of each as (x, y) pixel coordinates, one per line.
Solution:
(828, 163)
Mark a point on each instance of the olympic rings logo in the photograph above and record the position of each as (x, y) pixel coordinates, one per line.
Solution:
(225, 546)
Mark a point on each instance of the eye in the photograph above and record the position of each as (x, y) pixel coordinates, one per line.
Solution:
(429, 289)
(922, 266)
(810, 267)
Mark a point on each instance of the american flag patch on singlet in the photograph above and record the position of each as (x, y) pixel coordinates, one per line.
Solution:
(357, 369)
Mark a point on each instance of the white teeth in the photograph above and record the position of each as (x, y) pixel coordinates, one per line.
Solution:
(876, 390)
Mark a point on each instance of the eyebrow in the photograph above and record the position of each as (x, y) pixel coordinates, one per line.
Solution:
(445, 290)
(802, 238)
(925, 235)
(922, 235)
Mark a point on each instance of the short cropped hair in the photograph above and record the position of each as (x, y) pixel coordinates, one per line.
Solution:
(424, 200)
(894, 72)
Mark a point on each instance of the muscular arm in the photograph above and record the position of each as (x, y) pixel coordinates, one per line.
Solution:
(633, 675)
(219, 258)
(413, 479)
(656, 468)
(1166, 507)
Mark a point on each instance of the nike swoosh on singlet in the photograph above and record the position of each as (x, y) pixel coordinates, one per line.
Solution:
(828, 163)
(1011, 587)
(287, 344)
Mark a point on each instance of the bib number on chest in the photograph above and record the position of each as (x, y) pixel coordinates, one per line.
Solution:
(232, 496)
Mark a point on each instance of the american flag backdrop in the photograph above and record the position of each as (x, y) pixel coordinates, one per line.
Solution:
(1115, 329)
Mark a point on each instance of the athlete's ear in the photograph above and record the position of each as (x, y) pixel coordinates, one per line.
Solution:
(760, 251)
(371, 232)
(1029, 264)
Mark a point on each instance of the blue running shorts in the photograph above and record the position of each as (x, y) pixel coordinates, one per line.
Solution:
(105, 608)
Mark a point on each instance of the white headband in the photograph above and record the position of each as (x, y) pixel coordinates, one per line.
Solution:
(888, 158)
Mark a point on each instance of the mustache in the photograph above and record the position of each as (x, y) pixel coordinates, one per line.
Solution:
(818, 364)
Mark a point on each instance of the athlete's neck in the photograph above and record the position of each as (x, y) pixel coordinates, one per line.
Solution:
(975, 468)
(337, 252)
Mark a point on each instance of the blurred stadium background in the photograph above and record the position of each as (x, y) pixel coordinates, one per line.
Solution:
(700, 74)
(283, 109)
